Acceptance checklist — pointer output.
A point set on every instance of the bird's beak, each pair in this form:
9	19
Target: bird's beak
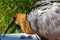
11	24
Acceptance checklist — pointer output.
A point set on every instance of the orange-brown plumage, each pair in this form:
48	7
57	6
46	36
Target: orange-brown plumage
21	20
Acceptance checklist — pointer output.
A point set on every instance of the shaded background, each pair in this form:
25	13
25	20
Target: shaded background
7	10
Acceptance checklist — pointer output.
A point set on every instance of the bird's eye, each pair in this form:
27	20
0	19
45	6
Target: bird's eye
14	18
18	26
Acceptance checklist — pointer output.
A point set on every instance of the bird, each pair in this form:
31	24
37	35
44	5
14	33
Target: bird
20	19
44	19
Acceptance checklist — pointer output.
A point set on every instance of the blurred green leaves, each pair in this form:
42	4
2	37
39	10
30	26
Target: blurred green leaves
7	10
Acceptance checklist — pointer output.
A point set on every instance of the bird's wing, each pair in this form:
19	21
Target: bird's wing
45	18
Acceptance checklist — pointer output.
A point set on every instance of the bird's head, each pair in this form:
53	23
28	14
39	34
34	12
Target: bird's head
19	18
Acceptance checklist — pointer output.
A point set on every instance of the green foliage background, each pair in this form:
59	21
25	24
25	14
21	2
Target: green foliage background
7	10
